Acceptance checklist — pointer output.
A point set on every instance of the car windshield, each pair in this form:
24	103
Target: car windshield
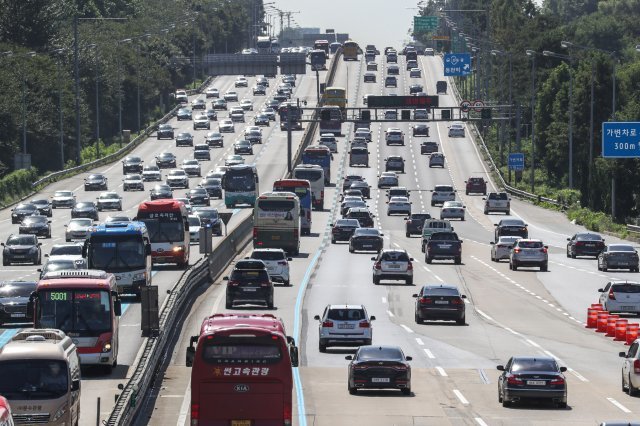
395	256
36	219
33	379
108	196
508	240
166	155
367	232
379	353
534	364
59	265
81	313
16	288
621	247
190	162
348	223
40	202
511	222
530	244
498	196
66	250
626	288
443	188
21	240
133	177
29	207
63	194
588	237
177	172
198	191
212	182
95	177
84	205
268	255
80	222
132	160
151	169
194	221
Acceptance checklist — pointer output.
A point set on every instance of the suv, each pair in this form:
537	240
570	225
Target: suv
249	283
394	163
475	185
132	165
343	229
21	249
510	227
362	214
431	226
414	223
526	252
394	136
391	81
442	193
497	202
428	147
165	131
276	261
393	264
344	325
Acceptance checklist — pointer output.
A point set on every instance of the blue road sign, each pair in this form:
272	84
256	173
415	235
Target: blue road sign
457	64
621	139
516	161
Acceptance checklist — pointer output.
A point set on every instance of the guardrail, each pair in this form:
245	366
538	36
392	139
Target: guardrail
635	229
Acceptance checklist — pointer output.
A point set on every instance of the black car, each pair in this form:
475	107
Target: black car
21	249
85	209
428	147
184	114
165	131
161	191
243	147
362	215
366	239
343	229
585	244
212	115
415	88
253	136
379	367
44	207
198	104
95	182
394	163
249	283
261	120
259	90
19	212
215	139
201	152
37	225
421	130
213	186
132	165
440	302
219	104
198	197
511	227
536	377
209	217
363	187
414	223
14	297
184	139
166	160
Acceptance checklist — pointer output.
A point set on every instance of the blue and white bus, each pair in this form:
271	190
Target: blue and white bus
302	188
123	249
240	184
321	156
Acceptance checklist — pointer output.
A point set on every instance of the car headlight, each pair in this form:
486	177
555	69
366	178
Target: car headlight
60	412
140	276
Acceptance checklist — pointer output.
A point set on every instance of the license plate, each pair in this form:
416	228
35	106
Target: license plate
18	315
536	382
589	245
240	422
367	246
623	263
250	289
275	237
441	302
345	325
393	266
380	380
628	308
19	256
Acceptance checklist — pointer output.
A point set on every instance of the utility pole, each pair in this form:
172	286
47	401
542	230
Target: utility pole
76	73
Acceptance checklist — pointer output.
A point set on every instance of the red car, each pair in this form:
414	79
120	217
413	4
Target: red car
476	185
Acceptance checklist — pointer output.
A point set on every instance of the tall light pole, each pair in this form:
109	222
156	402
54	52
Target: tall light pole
58	52
532	54
126	40
569	59
97	81
24	106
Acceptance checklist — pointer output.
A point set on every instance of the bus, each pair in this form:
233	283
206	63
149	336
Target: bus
276	221
333	47
263	44
240	184
315	175
302	188
296	116
124	249
331	120
318	60
275	46
350	50
322	45
335	96
321	156
167	222
85	304
241	371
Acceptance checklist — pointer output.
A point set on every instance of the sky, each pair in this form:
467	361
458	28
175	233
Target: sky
379	22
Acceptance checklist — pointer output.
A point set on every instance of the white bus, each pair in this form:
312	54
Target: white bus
276	221
263	44
315	175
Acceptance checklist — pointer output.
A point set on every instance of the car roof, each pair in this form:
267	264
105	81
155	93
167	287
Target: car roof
345	306
437	286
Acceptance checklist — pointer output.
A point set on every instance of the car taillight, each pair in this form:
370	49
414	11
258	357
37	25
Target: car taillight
426	300
457	301
579	243
557	381
265	284
365	324
410	267
516	250
400	367
287	415
514	380
360	367
377	265
636	366
195	414
612	296
234	283
282	263
255	232
295	233
327	323
543	249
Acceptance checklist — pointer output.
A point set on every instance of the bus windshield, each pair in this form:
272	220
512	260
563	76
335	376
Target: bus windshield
241	181
164	229
116	253
276	205
79	313
33	379
319	153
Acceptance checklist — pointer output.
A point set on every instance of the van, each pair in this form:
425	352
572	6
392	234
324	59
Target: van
434	225
359	156
40	371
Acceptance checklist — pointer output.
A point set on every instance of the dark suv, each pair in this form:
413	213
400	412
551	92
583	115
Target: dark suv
21	249
14	297
23	210
132	165
165	131
476	185
249	283
343	229
511	227
414	223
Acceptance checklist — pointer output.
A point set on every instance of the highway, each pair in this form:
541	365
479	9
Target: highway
524	312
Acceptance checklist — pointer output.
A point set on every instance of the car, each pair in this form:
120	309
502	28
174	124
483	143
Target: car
428	147
246	105
414	222
183	114
231	96
85	209
622	297
253	136
192	167
391	81
194	228
198	197
243	147
14	298
456	130
184	139
37	225
133	182
259	89
397	191
22	210
394	163
387	180
43	205
212	185
269	112
249	283
362	214
363	132
393	70
132	164
512	227
261	120
219	104
202	152
262	81
236	114
77	229
420	114
201	121
329	140
241	82
118	218
415	73
585	244
428	51
398	205
443	245
415	89
363	187
411	64
62	264
351	202
211	114
532	377
109	201
394	136
165	160
392	58
233	160
349	180
630	374
351	194
181	96
379	367
198	104
343	229
372	66
273	104
366	239
226	126
61	198
276	261
618	256
393	264
215	139
369	77
475	185
212	92
95	182
21	249
178	178
71	249
209	217
441	87
440	302
442	193
501	249
344	326
436	160
529	252
185	201
497	202
420	130
160	192
361	143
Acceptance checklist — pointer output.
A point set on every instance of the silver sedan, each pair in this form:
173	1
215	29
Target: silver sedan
452	210
502	249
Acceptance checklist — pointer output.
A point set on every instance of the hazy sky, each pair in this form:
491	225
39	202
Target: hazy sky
379	22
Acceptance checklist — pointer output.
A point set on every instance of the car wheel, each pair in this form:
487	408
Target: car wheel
333	241
604	268
573	254
417	319
428	259
408	281
353	391
462	321
5	262
505	403
458	260
408	234
562	404
406	391
228	304
351	250
633	391
544	267
270	304
322	347
376	280
622	385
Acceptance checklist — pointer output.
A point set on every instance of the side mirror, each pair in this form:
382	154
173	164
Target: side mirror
622	354
191	355
408	358
463	296
568	239
289	259
500	367
600	290
484	198
225	278
372	318
373	258
117	308
348	357
46	255
39	244
316	317
563	369
415	295
491	242
75	385
30	307
411	259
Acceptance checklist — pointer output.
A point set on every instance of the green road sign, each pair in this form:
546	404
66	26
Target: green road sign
425	23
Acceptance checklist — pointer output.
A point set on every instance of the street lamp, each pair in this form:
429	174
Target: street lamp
60	113
496	52
569	59
532	54
97	78
118	43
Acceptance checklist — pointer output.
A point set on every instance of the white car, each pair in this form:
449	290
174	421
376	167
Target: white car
186	202
329	140
621	297
420	114
212	92
269	112
400	205
194	228
63	199
415	73
276	261
178	178
456	130
241	82
442	193
77	229
226	126
65	251
246	105
109	201
363	132
192	167
151	174
231	95
181	96
201	121
502	249
452	210
394	136
133	182
344	325
387	180
233	160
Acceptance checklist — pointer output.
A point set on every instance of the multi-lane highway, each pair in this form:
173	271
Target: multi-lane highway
524	312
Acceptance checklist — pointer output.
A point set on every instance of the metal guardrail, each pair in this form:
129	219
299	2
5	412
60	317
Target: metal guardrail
635	229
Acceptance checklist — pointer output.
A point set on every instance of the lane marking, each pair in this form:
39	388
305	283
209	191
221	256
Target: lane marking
429	354
460	396
407	329
419	341
390	314
620	406
480	421
441	371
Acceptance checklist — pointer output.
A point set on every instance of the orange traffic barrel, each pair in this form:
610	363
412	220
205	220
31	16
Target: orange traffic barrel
611	325
603	319
597	306
621	329
592	317
632	333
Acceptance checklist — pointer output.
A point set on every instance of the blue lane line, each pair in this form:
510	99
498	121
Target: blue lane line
235	211
7	335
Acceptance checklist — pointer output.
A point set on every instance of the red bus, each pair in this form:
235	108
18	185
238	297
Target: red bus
84	303
302	188
167	221
241	371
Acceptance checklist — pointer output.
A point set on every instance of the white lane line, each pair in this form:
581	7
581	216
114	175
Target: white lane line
480	421
390	314
419	341
407	329
620	406
430	355
484	315
578	375
460	396
441	371
384	299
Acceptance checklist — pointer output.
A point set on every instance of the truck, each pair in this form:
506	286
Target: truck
443	246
